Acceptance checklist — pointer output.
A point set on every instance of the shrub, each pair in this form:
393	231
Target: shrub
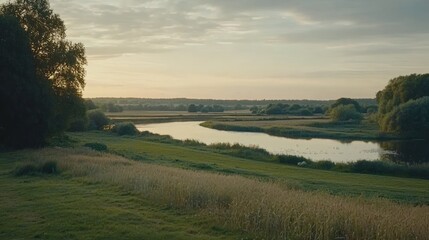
97	120
101	147
290	159
125	128
325	165
49	167
345	113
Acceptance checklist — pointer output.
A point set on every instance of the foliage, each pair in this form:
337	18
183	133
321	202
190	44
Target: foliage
25	99
97	120
55	58
110	107
347	101
403	105
125	128
101	147
192	108
90	105
411	118
345	113
48	167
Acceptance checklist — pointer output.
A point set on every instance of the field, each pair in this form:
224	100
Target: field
82	194
149	187
137	148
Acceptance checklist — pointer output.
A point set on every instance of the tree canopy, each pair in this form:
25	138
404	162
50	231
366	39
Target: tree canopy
347	101
42	72
55	59
345	113
25	99
403	105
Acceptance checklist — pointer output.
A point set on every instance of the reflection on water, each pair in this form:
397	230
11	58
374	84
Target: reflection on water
315	149
407	151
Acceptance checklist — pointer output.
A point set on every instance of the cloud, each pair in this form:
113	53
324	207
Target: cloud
133	26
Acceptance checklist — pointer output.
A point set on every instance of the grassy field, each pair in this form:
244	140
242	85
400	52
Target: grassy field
304	128
90	195
137	148
66	206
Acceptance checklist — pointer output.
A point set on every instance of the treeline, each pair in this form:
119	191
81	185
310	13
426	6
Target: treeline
295	109
228	104
205	109
270	107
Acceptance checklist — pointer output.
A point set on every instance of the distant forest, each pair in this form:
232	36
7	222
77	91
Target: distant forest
182	104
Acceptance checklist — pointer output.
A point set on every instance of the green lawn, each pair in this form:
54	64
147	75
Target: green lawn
61	207
395	188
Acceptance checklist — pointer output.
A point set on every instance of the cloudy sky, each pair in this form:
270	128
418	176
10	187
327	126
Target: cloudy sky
247	49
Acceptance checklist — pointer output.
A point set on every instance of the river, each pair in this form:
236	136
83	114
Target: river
314	149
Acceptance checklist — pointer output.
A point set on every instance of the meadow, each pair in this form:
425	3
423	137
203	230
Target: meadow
203	205
163	151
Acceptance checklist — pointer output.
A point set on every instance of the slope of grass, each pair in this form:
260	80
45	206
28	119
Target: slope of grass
56	206
398	189
265	210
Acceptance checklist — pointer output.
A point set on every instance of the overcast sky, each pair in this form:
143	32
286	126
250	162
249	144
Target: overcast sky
247	49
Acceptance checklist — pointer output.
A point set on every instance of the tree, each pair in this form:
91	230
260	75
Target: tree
25	99
97	120
192	108
402	89
345	113
410	118
55	59
404	102
347	101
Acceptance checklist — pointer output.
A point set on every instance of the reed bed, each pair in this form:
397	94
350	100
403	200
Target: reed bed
267	210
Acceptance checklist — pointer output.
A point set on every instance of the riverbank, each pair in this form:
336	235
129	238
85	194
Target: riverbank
305	128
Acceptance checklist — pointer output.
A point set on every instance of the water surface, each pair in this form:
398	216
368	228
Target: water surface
315	149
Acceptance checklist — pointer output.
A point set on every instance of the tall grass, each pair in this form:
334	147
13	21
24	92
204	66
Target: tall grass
266	210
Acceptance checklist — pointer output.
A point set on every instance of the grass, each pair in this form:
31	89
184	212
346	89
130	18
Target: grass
59	206
414	191
264	210
304	128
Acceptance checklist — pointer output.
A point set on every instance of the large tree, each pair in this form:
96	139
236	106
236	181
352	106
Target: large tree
56	59
404	105
25	99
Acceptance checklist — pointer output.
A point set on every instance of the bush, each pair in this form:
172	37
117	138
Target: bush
125	128
290	159
345	113
49	167
78	125
325	165
101	147
97	120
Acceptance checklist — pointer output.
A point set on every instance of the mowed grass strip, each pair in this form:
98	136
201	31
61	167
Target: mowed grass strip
399	189
265	210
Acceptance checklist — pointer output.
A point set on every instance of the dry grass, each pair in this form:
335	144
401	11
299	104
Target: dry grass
267	210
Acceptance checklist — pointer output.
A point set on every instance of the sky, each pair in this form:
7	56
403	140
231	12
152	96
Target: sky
247	49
